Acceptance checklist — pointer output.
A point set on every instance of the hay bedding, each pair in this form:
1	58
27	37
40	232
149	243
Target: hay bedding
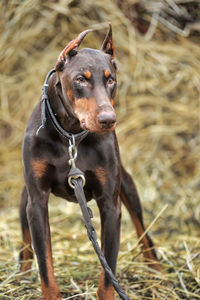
158	128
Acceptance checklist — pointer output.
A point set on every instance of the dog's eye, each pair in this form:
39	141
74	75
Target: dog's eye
110	81
80	79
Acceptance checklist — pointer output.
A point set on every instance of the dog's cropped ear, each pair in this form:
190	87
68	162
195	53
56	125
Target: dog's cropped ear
70	50
108	46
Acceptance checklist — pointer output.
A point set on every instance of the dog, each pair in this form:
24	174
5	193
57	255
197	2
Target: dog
81	94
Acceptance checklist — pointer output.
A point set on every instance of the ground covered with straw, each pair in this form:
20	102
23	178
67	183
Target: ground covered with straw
158	108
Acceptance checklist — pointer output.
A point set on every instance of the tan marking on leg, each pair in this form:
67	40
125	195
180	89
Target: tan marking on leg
50	291
147	251
101	174
27	253
39	167
87	74
107	73
112	101
105	292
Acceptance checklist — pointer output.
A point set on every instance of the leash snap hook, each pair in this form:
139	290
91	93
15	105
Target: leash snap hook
72	151
74	173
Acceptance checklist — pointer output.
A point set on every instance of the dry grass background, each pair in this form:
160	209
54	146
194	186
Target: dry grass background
158	108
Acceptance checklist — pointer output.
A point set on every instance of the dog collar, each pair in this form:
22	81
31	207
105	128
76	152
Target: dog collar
46	107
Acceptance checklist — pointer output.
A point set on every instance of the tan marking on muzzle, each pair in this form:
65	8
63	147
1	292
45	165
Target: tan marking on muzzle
85	109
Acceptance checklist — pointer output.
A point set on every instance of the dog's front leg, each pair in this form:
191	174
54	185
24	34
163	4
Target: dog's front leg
37	214
110	214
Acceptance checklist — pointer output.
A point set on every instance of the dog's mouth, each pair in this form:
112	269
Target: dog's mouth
83	124
97	127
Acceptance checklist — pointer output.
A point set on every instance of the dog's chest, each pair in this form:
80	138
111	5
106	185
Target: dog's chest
99	166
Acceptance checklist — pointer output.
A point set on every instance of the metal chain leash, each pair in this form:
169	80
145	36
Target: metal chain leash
76	180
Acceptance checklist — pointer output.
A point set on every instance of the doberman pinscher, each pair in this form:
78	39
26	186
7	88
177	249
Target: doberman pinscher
81	95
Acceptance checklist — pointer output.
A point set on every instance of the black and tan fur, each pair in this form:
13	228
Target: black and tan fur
81	93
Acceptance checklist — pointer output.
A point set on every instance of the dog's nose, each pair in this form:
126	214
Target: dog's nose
107	119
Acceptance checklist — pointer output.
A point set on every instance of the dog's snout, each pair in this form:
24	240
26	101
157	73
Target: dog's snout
107	119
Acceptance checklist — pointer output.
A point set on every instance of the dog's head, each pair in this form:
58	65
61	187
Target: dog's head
86	80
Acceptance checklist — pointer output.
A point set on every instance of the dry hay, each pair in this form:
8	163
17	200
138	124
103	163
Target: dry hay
158	115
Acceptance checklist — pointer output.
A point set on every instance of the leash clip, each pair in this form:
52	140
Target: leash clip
74	173
76	176
72	151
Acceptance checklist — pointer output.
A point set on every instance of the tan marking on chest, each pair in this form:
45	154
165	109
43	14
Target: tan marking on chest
101	174
39	167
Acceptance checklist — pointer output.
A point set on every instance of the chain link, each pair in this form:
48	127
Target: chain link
72	151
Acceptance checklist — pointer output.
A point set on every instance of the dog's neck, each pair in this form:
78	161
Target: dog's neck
62	109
